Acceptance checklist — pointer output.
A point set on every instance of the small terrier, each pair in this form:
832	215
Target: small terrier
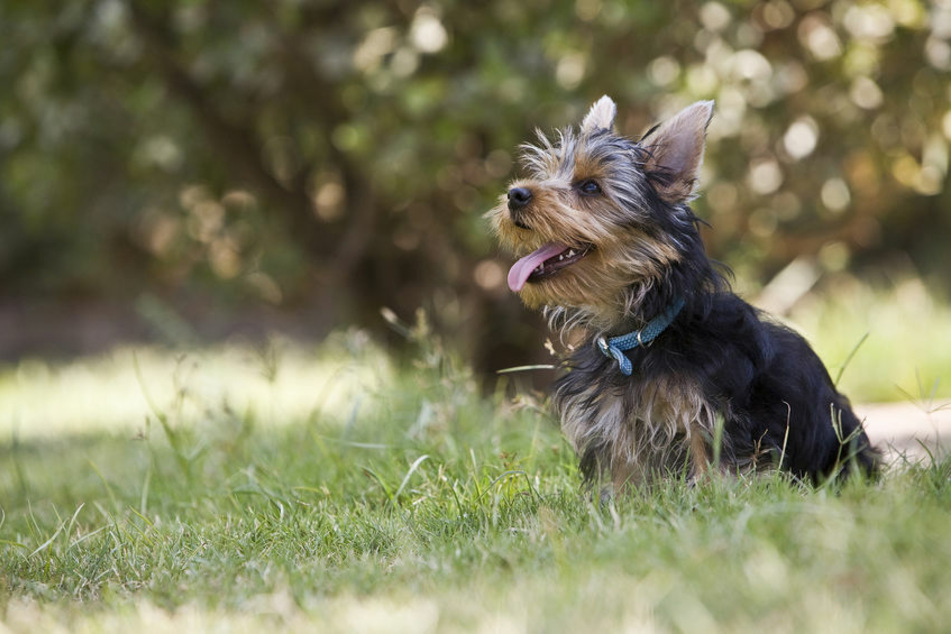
676	373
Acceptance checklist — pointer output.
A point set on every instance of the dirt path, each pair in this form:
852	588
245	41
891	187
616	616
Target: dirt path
909	429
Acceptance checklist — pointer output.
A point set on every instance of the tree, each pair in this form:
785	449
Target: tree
339	155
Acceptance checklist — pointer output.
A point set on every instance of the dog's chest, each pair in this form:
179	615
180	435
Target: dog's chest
632	416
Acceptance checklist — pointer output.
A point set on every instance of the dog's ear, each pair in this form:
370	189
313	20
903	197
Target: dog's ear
675	150
600	117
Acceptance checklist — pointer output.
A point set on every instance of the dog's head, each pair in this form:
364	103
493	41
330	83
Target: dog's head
601	217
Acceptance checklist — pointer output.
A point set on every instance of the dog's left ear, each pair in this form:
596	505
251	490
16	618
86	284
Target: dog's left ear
676	152
600	117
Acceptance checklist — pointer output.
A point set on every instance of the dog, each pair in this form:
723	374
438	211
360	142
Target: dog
675	374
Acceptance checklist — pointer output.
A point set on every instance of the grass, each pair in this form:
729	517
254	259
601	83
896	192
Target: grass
902	337
337	490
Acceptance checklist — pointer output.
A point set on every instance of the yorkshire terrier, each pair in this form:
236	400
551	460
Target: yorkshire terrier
675	374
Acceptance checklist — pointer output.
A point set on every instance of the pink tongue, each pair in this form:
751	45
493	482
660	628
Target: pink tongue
522	270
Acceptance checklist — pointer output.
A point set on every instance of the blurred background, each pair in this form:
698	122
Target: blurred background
188	171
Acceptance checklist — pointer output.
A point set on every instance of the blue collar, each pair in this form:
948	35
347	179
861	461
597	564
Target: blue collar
616	346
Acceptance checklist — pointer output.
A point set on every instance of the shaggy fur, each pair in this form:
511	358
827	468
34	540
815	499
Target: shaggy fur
607	242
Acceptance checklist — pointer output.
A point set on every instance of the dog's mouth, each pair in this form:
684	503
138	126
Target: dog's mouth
543	263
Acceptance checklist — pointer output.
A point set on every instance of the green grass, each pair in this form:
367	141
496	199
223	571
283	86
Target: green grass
889	345
335	490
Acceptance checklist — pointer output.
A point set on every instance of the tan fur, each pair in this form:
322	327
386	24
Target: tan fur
662	428
699	456
601	282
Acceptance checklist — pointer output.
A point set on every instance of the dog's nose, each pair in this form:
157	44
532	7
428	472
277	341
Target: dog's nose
519	197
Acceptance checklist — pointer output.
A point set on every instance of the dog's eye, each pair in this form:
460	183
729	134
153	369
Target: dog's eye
589	187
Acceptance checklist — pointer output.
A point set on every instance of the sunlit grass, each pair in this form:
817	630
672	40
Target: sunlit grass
903	340
331	488
276	383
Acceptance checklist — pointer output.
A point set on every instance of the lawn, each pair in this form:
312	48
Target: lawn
334	488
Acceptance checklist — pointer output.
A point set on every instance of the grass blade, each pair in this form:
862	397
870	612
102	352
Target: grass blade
409	474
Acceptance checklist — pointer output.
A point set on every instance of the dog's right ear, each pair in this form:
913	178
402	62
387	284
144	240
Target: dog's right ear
600	117
676	152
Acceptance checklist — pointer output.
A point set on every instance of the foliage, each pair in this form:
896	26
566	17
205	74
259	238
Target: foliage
340	154
432	508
